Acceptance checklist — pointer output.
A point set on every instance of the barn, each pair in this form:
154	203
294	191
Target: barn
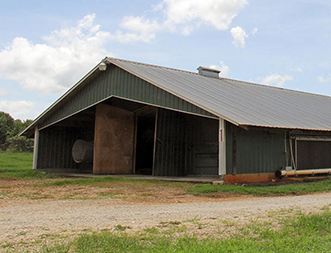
132	118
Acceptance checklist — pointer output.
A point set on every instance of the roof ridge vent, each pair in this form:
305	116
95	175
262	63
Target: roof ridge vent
209	72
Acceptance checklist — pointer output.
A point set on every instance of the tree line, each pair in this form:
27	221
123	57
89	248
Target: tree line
9	130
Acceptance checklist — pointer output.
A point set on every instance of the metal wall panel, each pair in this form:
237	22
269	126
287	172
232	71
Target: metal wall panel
56	142
202	145
185	145
55	146
119	83
254	151
170	144
313	155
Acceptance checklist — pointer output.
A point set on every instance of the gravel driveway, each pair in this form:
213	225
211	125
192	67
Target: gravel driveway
28	221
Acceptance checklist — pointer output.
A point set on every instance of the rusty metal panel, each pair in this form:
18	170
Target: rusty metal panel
113	142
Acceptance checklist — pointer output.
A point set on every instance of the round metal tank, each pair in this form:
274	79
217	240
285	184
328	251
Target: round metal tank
82	151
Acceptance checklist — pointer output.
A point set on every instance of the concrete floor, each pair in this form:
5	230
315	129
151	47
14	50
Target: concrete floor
188	179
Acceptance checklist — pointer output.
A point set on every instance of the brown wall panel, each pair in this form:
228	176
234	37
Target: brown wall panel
113	140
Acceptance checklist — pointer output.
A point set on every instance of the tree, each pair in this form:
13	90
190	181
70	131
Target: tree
9	129
20	144
6	126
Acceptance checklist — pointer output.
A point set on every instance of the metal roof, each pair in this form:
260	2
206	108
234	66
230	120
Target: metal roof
241	103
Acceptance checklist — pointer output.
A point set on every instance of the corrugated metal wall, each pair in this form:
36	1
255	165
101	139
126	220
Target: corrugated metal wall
56	142
185	145
119	83
55	146
170	144
202	145
254	150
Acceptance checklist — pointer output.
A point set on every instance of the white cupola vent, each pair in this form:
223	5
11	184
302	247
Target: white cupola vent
204	71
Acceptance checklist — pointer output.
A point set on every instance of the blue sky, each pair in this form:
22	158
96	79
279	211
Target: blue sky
47	46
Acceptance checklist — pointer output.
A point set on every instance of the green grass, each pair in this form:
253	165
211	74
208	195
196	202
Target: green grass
296	233
18	166
295	188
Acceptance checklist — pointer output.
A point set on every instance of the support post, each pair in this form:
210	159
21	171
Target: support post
35	148
222	148
234	151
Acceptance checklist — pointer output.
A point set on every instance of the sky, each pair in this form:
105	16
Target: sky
47	46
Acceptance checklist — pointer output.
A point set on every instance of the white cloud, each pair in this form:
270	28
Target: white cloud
139	24
276	79
184	16
141	29
217	13
225	70
254	31
298	70
239	36
17	109
322	79
54	66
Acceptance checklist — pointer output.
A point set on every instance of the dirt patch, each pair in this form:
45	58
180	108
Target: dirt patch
124	194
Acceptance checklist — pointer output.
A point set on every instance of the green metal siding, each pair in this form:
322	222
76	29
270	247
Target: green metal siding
170	144
55	145
254	151
203	145
229	152
185	145
119	83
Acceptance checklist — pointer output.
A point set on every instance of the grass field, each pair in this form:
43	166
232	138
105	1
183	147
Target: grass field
295	232
18	166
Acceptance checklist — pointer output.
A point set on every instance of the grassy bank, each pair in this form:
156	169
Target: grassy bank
19	166
299	233
292	188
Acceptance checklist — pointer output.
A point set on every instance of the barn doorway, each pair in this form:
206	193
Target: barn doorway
145	131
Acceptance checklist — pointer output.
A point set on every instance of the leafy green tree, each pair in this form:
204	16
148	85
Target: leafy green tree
19	126
9	129
6	126
20	144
